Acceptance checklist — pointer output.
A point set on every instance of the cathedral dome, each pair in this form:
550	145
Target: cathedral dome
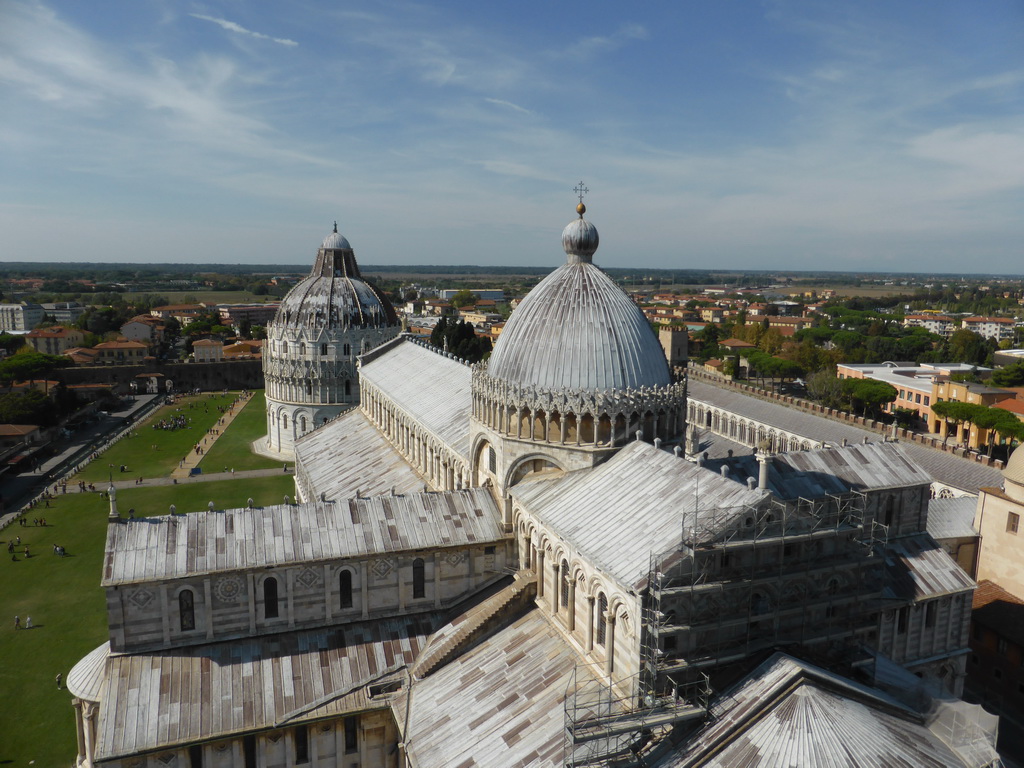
335	295
1014	469
578	330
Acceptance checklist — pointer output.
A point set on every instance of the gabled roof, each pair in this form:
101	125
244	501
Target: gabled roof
501	704
790	713
1000	611
254	684
177	546
635	504
919	569
428	385
348	456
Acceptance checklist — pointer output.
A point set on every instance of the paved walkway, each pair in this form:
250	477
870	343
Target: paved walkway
192	460
204	478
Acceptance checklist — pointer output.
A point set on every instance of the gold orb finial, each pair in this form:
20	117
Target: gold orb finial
581	209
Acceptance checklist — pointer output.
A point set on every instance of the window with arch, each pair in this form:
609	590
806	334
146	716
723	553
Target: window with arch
270	607
323	349
302	348
602	619
419	578
345	587
302	422
309	387
347	350
564	591
284	417
348	387
187	610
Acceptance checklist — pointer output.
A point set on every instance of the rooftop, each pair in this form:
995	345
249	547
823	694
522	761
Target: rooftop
176	546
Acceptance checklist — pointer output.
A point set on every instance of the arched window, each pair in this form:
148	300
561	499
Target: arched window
303	423
602	619
309	387
323	349
348	387
345	585
302	348
419	578
270	597
284	416
564	597
187	610
347	350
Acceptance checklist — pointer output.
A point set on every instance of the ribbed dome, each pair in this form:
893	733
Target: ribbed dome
578	330
336	240
334	295
1014	469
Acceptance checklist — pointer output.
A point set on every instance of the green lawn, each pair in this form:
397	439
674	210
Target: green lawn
137	452
217	297
64	599
233	447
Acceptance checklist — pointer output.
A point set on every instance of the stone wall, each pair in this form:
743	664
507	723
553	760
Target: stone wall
230	374
149	616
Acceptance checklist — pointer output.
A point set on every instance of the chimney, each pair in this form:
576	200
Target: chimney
725	471
843	442
677	450
751	483
657	442
639	435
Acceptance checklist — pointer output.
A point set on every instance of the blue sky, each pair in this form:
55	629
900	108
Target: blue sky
758	135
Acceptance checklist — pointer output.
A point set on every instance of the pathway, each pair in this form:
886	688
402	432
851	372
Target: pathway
184	468
187	480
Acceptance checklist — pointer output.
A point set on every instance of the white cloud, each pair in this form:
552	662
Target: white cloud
589	47
509	104
231	26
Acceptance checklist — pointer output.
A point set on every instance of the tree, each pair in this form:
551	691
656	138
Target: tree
1010	376
464	298
30	365
869	394
824	387
968	347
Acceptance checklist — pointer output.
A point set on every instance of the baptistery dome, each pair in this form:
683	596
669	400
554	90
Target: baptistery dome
578	330
335	295
309	358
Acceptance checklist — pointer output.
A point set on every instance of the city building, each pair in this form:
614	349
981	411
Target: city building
998	328
120	352
20	317
148	329
236	315
64	312
309	356
208	351
55	340
938	324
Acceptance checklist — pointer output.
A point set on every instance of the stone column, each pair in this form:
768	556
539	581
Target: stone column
79	731
572	605
540	573
610	637
89	726
590	623
556	587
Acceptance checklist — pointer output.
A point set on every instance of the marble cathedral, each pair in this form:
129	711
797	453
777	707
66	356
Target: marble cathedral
515	563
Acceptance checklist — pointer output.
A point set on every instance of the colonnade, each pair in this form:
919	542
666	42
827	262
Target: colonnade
444	469
747	431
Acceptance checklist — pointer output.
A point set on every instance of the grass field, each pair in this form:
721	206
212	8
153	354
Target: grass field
232	448
138	453
65	601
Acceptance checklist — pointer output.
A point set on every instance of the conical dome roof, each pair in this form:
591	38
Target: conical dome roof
335	295
578	330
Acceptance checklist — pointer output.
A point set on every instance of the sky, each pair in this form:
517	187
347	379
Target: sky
788	135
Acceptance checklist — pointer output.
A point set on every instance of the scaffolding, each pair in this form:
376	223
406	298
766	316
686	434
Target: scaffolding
804	573
613	724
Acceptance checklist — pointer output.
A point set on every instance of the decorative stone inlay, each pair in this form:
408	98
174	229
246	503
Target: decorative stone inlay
140	598
454	558
167	759
382	567
308	578
228	589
